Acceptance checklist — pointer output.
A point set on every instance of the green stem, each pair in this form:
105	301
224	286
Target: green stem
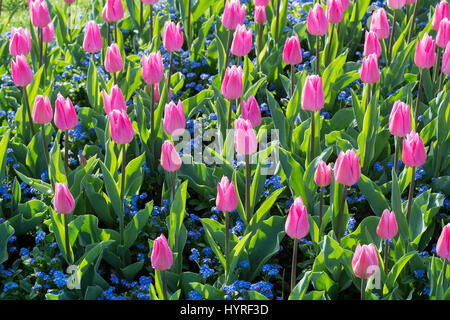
247	186
122	193
320	207
27	106
227	53
151	23
141	20
66	152
41	45
115	77
170	72
108	33
436	65
45	145
318	55
313	126
363	289
173	177
260	34
152	108
391	40
292	80
397	147
444	268
69	18
412	22
419	95
227	242
164	283
277	22
441	82
330	45
230	111
411	192
341	213
66	235
189	21
115	32
294	264
386	255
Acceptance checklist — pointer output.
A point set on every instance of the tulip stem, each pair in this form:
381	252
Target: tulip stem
397	147
115	32
68	21
170	72
66	231
391	40
329	45
164	283
45	62
294	264
247	186
141	20
115	77
292	80
122	193
41	45
411	192
189	21
227	54
151	23
341	213
173	185
27	106
108	33
313	126
320	208
441	82
277	21
318	55
227	243
152	107
419	95
436	65
260	35
45	145
444	268
412	22
363	289
66	152
386	255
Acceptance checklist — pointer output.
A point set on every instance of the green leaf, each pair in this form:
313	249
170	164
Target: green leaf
395	272
373	194
112	190
301	288
6	232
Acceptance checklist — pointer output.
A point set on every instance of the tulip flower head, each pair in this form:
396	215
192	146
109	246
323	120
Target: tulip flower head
250	111
39	13
21	71
113	59
322	176
371	44
48	33
400	119
387	227
443	244
152	68
425	55
172	36
292	52
334	11
347	169
414	154
170	159
232	83
65	115
380	24
446	60
395	4
20	42
313	98
113	10
242	42
63	200
114	101
245	141
226	200
443	35
261	2
369	72
297	224
260	14
120	127
365	261
317	23
162	258
93	41
442	11
233	14
174	118
42	110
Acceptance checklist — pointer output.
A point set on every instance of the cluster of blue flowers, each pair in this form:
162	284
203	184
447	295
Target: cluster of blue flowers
239	289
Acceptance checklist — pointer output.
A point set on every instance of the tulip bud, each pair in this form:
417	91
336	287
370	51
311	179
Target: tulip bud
413	154
387	227
39	13
233	14
48	33
260	14
400	119
380	24
21	71
174	118
395	4
365	261
226	200
261	2
152	68
425	52
322	176
170	159
232	83
442	11
443	244
446	60
250	111
20	43
42	110
120	127
317	23
371	44
245	141
242	42
113	10
172	36
65	115
162	258
369	72
334	12
115	101
345	4
313	98
443	35
113	59
292	53
297	224
93	41
63	200
347	169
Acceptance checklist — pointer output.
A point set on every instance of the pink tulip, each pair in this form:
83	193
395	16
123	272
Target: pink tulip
20	43
120	127
387	227
425	52
152	68
39	13
414	154
245	141
232	83
233	14
162	258
322	176
113	59
260	14
297	224
292	53
347	169
42	110
150	1
21	71
443	244
446	60
380	24
442	11
395	4
115	101
48	33
250	111
371	44
313	97
65	115
443	35
261	2
345	4
172	36
69	1
365	261
369	72
334	11
242	42
104	16
226	200
174	118
170	159
400	119
63	199
317	23
93	41
113	10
